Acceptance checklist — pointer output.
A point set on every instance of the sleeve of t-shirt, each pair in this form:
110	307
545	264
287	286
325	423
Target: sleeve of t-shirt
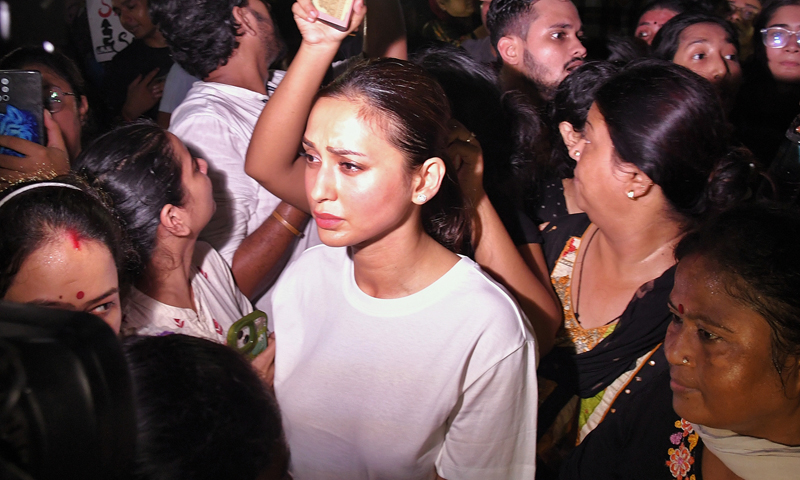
235	193
177	85
493	433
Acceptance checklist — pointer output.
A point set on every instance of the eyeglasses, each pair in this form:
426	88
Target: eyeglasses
777	37
747	13
54	99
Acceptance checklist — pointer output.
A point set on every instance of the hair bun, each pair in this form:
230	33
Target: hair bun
732	181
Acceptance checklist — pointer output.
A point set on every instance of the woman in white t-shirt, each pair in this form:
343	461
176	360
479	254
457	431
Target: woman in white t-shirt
163	197
396	358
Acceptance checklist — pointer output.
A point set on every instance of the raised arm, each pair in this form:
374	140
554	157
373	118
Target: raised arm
496	253
385	30
272	154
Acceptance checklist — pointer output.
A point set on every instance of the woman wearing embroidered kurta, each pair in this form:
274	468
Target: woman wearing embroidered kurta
163	197
652	160
734	352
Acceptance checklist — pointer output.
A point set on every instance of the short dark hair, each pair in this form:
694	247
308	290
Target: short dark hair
201	34
668	39
136	168
755	246
202	412
412	108
573	99
762	20
36	217
509	17
677	135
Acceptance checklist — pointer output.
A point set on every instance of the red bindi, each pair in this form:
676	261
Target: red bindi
79	295
680	308
75	237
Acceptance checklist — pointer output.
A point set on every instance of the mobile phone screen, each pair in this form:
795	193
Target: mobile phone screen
21	107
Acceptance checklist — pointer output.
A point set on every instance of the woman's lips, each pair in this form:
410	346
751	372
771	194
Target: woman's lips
326	221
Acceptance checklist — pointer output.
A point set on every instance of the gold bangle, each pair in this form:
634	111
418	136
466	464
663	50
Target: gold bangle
297	233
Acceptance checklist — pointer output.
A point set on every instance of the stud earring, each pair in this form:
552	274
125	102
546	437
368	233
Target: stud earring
685	360
631	194
422	198
577	153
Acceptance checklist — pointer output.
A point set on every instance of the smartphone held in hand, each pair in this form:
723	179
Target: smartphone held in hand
21	107
335	13
249	335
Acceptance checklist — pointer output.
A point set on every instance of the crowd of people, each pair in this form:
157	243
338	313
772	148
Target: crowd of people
500	256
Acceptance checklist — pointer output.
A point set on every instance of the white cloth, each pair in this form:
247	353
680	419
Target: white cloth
177	85
218	301
751	458
216	122
390	388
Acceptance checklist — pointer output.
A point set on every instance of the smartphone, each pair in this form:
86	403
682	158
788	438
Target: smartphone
335	13
21	107
249	335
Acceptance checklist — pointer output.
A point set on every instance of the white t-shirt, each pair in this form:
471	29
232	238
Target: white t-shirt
390	388
216	122
218	301
176	86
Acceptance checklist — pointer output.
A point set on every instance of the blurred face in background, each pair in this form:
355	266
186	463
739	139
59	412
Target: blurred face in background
651	22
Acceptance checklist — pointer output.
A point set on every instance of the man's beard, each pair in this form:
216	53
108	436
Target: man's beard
274	46
536	73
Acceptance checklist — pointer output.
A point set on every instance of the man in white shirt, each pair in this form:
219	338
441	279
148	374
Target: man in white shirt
230	44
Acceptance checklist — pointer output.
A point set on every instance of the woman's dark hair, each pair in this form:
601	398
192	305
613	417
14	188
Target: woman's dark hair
201	34
763	19
573	99
404	101
41	215
136	168
506	131
202	412
62	66
668	122
755	248
668	38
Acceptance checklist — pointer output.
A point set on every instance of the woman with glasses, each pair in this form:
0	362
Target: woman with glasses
770	97
66	116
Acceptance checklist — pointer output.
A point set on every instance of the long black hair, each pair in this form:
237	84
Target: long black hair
136	168
677	135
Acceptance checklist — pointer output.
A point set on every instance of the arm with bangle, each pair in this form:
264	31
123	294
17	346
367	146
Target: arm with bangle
261	256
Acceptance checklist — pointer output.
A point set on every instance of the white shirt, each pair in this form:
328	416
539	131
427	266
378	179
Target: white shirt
216	122
176	86
390	388
217	299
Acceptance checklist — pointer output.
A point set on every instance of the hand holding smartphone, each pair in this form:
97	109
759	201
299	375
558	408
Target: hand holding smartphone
335	13
249	335
21	107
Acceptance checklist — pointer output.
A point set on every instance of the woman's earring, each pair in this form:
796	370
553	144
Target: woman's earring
422	198
631	194
685	360
577	153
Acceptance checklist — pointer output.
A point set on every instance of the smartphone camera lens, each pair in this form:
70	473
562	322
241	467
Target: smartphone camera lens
4	89
4	81
5	98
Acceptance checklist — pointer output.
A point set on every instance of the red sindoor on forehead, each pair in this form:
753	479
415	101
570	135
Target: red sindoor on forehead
75	237
80	295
